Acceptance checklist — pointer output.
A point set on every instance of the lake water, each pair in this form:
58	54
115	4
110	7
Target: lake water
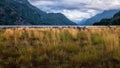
50	26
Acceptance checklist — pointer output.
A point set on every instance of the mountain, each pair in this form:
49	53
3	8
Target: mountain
112	21
9	16
21	12
98	17
82	22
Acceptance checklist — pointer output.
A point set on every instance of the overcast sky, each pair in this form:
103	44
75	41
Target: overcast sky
76	10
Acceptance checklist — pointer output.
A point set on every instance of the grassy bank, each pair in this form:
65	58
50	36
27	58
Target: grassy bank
60	48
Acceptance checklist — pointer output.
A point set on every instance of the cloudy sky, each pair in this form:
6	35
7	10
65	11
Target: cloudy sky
76	10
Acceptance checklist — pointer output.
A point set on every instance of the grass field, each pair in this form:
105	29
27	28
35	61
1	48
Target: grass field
60	47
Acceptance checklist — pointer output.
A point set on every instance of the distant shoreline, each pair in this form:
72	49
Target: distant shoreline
51	26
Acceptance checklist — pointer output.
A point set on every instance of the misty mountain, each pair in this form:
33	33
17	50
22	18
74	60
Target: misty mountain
98	17
82	22
111	21
21	12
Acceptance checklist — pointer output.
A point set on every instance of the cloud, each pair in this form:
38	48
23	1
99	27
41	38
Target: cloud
76	10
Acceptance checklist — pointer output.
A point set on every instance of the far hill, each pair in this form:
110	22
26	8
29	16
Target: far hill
98	17
111	21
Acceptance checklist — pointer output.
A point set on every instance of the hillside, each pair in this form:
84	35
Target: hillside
98	17
21	12
9	16
112	21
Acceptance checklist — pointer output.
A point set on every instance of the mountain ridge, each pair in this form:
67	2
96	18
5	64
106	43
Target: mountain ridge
115	20
30	14
100	16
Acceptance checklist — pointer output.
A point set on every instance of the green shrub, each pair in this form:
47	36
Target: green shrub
82	39
98	40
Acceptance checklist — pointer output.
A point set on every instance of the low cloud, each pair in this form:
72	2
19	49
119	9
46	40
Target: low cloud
76	10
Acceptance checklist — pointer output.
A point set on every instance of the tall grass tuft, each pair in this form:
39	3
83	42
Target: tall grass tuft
60	47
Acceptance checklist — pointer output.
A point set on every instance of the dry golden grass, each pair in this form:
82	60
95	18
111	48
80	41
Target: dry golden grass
91	47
